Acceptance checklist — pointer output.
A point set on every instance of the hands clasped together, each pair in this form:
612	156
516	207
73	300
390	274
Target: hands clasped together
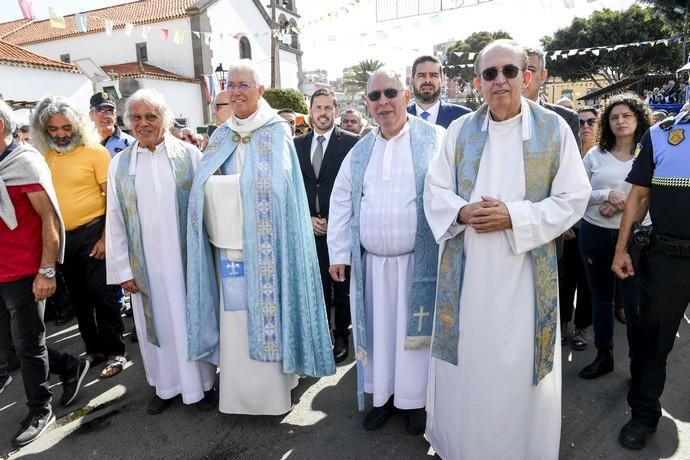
615	203
488	215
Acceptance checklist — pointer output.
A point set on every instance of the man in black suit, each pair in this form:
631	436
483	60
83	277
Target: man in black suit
537	66
320	154
427	75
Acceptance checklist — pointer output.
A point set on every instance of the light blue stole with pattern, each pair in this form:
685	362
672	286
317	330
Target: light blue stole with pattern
541	153
425	141
286	312
183	172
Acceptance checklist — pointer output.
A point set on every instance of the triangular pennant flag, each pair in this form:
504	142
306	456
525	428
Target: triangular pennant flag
81	21
557	53
108	27
27	9
572	52
196	34
595	52
57	21
458	54
178	37
569	3
164	34
129	28
145	32
470	56
381	34
207	38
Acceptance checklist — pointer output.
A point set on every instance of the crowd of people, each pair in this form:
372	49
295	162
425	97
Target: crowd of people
456	247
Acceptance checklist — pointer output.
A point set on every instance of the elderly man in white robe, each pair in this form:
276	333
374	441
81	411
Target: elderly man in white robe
377	205
146	224
508	181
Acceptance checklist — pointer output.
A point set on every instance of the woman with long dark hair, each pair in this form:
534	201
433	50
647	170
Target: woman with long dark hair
622	124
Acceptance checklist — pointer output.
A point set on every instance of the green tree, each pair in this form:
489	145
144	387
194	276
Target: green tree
472	44
286	98
607	28
672	10
361	73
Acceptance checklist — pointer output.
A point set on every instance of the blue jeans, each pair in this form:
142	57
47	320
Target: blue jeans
597	247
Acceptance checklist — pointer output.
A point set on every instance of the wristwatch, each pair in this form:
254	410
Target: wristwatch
47	272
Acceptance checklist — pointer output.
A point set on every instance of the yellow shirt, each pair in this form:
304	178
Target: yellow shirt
77	176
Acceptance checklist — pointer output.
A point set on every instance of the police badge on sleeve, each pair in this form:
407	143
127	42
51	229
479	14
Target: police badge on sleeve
676	136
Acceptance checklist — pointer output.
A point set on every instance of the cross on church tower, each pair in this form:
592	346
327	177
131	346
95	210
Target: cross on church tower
420	317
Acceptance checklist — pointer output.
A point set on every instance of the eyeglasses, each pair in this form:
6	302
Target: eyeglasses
104	111
390	93
509	71
243	87
589	122
220	104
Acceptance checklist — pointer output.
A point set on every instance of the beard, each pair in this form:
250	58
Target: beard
64	144
426	98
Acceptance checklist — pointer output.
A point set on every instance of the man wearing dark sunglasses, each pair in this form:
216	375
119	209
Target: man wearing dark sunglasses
508	181
376	205
427	77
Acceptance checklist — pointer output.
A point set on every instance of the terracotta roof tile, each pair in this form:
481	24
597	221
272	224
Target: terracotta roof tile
7	28
14	55
139	12
143	70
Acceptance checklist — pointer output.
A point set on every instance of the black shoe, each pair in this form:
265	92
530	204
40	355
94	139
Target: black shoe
158	405
603	364
72	384
133	336
341	349
378	416
5	381
209	402
634	435
416	421
33	427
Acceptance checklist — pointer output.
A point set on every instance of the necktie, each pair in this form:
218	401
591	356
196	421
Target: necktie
425	116
318	155
316	164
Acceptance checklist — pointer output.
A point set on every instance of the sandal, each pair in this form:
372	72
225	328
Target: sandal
113	367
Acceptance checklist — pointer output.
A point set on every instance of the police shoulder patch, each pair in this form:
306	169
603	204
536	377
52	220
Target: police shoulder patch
638	148
676	136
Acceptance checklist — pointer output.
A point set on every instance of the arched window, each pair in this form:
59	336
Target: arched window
293	31
245	48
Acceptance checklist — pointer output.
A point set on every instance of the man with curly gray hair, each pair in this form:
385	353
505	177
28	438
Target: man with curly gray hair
148	191
63	132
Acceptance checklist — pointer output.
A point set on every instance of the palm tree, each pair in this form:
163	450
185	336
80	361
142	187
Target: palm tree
360	74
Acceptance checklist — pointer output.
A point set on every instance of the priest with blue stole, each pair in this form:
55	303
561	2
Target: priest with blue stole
377	226
509	180
255	303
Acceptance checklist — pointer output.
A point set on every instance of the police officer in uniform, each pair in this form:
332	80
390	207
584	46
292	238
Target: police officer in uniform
104	115
661	185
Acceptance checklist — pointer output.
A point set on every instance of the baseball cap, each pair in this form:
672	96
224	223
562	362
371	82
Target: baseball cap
102	98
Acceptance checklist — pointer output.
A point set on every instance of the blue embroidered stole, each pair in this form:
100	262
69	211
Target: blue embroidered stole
541	155
424	142
183	172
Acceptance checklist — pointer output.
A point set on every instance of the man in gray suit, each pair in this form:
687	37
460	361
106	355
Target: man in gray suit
537	66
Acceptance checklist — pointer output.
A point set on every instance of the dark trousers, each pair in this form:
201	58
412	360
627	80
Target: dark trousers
597	247
572	278
337	294
21	324
664	295
96	303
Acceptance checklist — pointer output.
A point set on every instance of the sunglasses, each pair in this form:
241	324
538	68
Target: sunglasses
509	71
390	93
220	104
243	87
589	122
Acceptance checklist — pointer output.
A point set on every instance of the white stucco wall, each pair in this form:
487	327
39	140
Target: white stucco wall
230	17
120	48
29	84
288	70
184	99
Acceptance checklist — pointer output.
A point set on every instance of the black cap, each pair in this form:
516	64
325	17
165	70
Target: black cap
100	99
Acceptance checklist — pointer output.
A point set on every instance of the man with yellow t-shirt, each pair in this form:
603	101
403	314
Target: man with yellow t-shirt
79	168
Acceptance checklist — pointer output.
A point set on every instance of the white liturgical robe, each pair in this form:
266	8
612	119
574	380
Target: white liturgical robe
487	407
166	366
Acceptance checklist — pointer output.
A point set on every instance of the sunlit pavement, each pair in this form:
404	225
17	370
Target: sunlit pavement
109	420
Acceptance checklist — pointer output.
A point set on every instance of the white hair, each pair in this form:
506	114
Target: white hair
7	116
152	98
249	66
389	73
51	106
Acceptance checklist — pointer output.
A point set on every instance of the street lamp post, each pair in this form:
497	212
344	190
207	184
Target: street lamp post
221	75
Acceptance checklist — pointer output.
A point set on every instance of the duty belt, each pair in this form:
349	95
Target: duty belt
672	246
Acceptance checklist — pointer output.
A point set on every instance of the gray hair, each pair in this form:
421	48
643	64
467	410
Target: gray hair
539	55
51	106
389	73
502	43
152	98
249	66
7	116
